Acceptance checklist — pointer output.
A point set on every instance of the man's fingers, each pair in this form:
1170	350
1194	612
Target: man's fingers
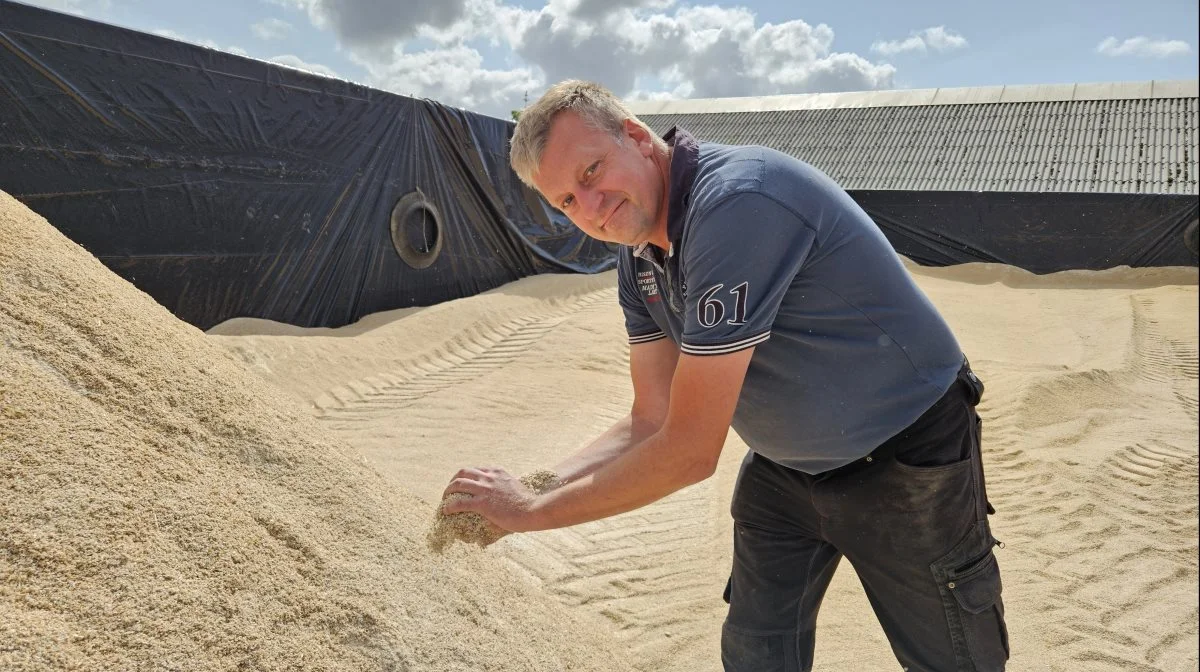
471	472
468	486
459	505
464	476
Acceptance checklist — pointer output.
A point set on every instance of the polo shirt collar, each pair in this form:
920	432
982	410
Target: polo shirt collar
684	160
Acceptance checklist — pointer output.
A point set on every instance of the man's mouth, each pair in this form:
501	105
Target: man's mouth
611	215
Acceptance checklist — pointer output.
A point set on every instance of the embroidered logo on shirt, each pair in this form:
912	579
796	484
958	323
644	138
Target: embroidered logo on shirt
648	286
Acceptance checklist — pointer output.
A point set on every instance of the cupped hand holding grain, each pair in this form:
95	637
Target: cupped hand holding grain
503	497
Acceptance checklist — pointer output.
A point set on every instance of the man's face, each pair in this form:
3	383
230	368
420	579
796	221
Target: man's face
610	189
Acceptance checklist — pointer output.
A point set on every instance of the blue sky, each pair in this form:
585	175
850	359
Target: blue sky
488	55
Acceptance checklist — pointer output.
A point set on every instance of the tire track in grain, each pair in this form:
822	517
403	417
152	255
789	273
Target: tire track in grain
483	348
647	572
1093	532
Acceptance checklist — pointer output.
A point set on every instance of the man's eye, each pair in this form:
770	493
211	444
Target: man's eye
567	202
591	169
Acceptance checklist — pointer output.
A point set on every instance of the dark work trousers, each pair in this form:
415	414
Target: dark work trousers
911	518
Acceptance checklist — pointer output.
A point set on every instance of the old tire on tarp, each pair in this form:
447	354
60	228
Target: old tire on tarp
1191	237
416	229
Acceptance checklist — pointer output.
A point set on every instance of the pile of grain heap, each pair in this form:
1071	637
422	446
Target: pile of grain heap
160	506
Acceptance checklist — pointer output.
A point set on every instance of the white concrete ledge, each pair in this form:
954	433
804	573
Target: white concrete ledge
1187	88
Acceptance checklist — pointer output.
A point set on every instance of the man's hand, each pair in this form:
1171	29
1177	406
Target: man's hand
494	494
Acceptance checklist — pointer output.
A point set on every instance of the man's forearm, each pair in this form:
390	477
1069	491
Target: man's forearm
615	473
644	473
626	432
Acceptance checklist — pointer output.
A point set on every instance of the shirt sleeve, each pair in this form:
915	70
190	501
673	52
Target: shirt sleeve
639	325
739	260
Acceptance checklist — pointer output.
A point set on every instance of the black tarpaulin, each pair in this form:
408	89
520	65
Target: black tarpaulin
1039	232
225	187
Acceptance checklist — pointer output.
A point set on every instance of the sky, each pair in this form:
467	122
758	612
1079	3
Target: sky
492	56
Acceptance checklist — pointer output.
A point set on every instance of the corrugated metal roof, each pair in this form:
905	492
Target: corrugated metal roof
1116	145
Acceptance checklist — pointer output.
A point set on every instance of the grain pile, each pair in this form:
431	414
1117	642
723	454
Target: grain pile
163	508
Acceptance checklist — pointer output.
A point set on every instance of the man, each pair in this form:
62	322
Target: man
757	293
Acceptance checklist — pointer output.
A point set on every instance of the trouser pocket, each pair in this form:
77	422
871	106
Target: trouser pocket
969	581
751	651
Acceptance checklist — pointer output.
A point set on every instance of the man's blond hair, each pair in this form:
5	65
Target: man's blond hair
595	105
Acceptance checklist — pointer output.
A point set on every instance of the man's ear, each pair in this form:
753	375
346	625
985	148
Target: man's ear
640	137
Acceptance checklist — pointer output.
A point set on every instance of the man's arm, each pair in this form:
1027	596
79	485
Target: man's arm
651	367
704	393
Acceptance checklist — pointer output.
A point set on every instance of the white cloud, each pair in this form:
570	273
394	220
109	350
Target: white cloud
936	38
488	20
377	25
295	62
1143	46
940	39
701	51
454	76
271	29
642	94
598	9
890	48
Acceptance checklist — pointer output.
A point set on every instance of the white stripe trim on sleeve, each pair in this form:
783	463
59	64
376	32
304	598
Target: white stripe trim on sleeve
646	338
725	348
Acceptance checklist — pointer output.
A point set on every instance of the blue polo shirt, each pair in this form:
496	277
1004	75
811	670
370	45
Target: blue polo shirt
767	251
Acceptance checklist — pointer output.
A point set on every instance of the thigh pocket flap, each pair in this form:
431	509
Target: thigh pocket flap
969	581
977	587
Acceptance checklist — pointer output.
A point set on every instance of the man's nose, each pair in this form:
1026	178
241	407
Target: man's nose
592	202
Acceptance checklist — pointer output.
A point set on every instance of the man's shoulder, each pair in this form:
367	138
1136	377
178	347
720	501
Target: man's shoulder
731	161
733	174
724	171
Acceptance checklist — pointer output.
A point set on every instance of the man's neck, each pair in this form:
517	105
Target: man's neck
661	239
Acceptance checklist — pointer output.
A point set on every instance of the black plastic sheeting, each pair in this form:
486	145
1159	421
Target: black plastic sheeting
1039	232
227	187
